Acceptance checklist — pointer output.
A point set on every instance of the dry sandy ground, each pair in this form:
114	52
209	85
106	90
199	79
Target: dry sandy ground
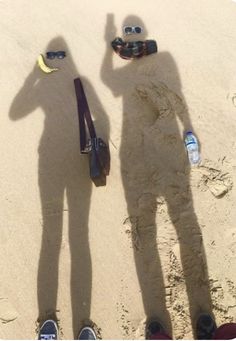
119	270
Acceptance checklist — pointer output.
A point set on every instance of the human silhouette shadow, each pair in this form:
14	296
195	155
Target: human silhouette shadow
62	170
154	166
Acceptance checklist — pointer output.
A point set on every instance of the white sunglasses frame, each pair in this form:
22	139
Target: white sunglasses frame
133	30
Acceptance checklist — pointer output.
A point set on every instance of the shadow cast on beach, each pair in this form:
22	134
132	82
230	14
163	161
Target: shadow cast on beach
61	171
154	165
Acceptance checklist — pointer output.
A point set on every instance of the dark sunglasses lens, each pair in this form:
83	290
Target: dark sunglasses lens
138	29
128	29
61	54
50	55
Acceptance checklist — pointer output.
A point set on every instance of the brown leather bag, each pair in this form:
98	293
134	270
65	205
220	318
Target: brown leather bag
95	147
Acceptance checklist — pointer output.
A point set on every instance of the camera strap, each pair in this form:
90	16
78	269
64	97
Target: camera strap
128	50
84	115
133	49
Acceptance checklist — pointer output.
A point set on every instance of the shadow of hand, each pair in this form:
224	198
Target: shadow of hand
110	30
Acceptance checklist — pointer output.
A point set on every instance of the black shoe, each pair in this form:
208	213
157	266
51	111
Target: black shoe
153	327
87	333
206	327
48	331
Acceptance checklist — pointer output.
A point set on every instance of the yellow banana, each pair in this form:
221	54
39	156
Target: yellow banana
43	66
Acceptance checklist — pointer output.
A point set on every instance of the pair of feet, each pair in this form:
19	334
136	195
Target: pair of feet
49	331
205	328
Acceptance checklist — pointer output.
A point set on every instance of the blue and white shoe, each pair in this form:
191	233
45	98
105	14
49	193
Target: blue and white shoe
48	331
87	333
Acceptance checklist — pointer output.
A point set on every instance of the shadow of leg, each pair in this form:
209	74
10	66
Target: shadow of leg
192	255
52	207
142	211
81	267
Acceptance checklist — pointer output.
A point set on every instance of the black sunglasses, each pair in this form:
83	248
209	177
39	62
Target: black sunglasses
58	54
132	29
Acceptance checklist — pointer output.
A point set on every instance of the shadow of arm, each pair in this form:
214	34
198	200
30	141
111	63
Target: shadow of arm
181	108
108	73
101	120
183	115
26	100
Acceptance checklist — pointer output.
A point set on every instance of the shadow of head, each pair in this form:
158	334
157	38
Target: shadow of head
133	20
43	89
66	65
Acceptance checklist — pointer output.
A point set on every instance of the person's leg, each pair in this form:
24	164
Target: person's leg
225	332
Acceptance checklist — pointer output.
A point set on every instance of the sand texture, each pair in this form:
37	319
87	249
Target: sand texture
160	238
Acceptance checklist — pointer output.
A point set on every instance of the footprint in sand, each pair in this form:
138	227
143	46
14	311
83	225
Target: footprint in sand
7	311
218	182
234	99
231	288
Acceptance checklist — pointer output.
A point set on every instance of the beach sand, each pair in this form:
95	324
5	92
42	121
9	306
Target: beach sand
160	238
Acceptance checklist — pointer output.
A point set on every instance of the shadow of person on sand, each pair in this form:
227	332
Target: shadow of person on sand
154	166
62	170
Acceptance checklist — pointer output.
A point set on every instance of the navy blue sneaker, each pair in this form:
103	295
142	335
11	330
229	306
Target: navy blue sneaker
206	327
87	333
48	331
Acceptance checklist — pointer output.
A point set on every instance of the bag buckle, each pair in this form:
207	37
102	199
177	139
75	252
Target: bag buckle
87	149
